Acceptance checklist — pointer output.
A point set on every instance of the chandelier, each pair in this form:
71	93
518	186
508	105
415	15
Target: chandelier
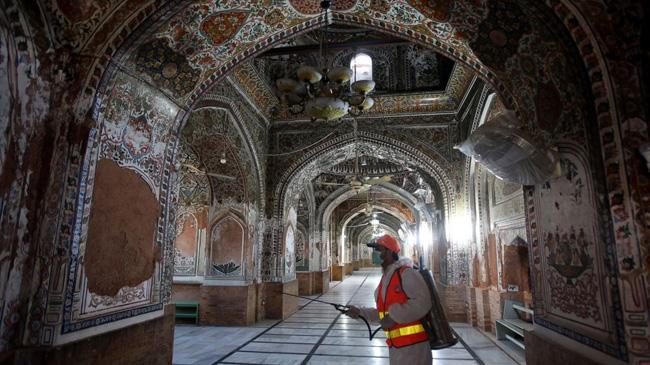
326	95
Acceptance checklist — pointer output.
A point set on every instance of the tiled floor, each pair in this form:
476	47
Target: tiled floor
318	334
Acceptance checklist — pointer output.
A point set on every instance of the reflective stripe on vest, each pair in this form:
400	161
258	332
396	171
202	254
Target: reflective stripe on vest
405	331
402	334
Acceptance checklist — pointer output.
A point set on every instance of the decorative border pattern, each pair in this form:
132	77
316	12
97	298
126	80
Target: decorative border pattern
613	155
82	216
535	258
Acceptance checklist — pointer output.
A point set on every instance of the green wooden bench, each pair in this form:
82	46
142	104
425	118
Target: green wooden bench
187	310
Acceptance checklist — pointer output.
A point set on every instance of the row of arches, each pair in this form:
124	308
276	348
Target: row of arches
552	82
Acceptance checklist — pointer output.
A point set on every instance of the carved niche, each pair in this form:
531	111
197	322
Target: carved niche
186	245
227	247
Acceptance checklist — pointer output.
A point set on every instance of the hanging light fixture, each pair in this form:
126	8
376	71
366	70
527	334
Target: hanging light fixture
326	95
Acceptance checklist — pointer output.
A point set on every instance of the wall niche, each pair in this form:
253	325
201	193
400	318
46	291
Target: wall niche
226	247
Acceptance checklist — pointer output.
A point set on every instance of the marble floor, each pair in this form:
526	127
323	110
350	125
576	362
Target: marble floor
318	334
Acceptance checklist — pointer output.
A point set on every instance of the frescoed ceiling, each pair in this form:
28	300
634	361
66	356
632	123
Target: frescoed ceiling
409	78
399	66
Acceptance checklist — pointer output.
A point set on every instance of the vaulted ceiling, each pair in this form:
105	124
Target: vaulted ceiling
409	78
419	96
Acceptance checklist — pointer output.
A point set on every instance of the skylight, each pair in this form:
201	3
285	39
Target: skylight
361	65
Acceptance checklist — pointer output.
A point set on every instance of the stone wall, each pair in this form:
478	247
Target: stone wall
220	305
306	281
313	282
470	306
337	273
483	316
453	298
276	305
321	281
227	305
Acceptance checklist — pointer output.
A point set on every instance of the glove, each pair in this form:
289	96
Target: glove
387	323
353	312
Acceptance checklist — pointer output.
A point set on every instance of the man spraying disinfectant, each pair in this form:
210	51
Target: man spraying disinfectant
402	299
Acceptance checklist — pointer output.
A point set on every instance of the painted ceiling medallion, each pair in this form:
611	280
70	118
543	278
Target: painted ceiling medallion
221	27
167	68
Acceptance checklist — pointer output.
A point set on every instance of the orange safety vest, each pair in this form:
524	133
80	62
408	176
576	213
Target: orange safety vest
402	334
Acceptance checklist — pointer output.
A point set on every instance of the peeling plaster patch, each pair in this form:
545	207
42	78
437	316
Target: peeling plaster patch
120	250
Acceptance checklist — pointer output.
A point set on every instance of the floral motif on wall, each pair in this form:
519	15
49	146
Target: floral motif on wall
126	296
220	27
194	189
166	68
137	136
503	191
289	243
572	283
75	22
571	174
183	265
227	269
256	87
186	244
131	104
569	254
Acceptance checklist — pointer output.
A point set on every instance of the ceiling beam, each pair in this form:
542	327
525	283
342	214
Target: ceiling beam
373	43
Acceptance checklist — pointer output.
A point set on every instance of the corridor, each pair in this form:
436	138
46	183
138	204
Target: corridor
318	334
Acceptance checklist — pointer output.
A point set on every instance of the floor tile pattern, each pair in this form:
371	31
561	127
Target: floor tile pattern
318	334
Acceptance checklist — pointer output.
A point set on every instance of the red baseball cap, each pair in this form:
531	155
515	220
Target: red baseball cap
387	241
